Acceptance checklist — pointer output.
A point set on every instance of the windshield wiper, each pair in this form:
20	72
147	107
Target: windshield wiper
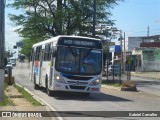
87	53
72	51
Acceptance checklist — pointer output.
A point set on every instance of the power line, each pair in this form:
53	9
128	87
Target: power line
142	31
140	2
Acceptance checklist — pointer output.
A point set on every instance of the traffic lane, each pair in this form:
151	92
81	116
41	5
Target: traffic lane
108	100
113	102
113	99
69	101
99	102
23	79
107	95
22	75
69	97
95	103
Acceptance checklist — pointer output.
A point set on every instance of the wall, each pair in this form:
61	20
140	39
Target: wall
151	59
134	42
139	57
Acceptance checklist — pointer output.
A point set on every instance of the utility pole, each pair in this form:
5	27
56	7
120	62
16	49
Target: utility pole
124	53
121	56
2	5
148	31
94	18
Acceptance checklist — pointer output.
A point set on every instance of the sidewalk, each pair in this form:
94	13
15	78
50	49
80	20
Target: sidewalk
152	75
20	105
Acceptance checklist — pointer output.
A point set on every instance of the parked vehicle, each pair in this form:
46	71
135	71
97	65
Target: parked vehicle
110	70
21	58
13	61
9	65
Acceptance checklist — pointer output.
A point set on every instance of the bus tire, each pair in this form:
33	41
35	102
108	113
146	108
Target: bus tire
49	92
36	87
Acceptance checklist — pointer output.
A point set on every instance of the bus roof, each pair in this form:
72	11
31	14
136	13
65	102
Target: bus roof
55	39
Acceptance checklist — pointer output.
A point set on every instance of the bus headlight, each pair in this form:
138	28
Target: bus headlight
95	82
59	79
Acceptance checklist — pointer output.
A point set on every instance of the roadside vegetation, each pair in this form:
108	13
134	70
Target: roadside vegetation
27	96
111	83
6	101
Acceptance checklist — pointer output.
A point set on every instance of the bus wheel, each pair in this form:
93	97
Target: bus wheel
36	87
49	92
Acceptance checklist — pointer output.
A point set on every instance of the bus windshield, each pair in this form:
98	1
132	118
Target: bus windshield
78	60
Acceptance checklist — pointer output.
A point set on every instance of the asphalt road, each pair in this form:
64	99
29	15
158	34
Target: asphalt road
108	100
148	85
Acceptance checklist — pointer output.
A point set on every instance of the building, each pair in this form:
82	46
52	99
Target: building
147	59
150	44
135	42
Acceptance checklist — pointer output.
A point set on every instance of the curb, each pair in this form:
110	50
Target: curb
57	116
133	89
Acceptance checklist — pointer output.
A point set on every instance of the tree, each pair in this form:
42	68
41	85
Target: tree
42	19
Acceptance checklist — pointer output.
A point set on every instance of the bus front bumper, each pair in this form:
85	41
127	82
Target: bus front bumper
76	88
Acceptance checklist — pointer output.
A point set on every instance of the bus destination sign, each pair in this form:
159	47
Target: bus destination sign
80	42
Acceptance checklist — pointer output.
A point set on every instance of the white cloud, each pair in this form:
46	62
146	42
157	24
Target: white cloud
11	37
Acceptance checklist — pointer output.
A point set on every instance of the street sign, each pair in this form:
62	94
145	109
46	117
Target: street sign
115	48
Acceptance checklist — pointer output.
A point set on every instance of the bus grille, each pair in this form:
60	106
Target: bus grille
75	82
71	77
77	87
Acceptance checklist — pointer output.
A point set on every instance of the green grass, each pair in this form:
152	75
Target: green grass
111	83
114	84
27	96
6	102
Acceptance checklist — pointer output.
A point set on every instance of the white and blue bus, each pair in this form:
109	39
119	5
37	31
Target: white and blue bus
67	63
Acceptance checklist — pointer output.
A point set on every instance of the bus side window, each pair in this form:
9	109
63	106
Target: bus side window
32	54
47	55
38	52
50	51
